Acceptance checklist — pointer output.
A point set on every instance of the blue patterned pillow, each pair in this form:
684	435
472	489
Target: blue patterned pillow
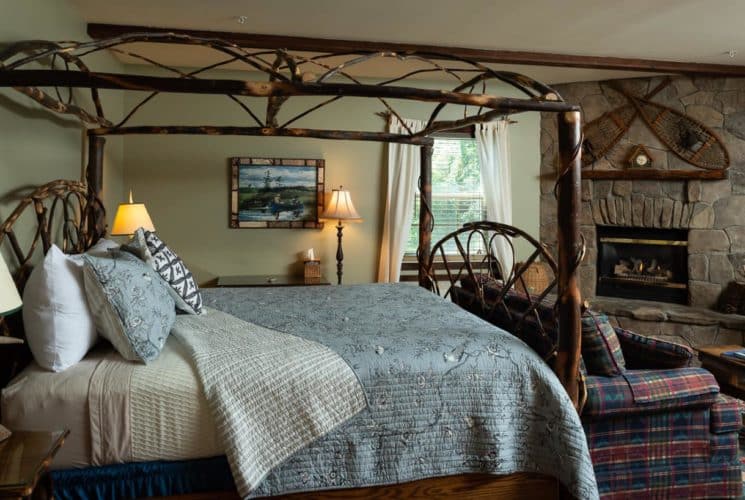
601	349
131	305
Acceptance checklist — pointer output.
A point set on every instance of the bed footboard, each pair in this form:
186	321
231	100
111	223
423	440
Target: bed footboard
478	268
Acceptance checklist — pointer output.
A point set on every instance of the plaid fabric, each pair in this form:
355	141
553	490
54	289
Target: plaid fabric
661	437
680	453
724	447
639	391
642	352
601	349
726	415
695	480
650	386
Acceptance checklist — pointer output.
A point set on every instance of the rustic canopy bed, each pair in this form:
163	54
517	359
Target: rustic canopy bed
71	212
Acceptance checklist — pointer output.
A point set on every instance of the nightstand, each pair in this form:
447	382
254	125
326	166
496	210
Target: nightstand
729	372
13	355
24	458
269	280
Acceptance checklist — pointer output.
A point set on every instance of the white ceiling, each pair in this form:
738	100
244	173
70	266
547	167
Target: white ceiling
678	30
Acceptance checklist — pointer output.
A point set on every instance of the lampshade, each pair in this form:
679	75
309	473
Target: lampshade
9	299
341	207
130	217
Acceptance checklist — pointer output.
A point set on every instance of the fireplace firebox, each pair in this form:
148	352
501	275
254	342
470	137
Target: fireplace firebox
643	263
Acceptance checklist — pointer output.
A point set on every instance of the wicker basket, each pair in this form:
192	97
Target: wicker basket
312	269
535	278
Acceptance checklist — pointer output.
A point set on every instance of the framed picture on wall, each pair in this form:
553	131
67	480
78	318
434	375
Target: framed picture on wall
284	193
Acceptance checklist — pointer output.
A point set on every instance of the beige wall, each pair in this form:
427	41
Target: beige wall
184	182
37	146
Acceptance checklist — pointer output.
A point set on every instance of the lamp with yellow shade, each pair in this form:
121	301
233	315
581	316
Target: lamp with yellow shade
130	217
341	208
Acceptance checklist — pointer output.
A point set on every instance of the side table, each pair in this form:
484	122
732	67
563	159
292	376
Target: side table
269	280
24	458
729	372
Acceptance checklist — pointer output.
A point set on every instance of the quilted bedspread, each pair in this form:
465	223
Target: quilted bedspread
270	393
447	393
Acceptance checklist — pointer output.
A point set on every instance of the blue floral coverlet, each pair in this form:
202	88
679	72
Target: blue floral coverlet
447	392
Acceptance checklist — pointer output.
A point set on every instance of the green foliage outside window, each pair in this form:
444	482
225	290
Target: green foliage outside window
456	191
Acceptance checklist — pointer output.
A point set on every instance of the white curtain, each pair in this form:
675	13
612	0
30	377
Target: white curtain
403	182
493	142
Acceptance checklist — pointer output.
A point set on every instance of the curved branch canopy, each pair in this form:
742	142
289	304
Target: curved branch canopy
288	75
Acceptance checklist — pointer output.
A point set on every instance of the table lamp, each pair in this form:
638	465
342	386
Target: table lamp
10	301
340	208
130	217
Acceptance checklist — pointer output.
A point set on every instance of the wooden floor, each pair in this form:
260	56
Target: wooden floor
462	487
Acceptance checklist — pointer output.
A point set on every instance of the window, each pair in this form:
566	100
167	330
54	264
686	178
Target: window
456	192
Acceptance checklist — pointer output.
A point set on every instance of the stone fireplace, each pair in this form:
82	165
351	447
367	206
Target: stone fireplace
705	210
709	215
642	263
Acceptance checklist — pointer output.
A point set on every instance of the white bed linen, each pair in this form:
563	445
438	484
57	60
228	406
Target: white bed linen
157	430
40	400
163	416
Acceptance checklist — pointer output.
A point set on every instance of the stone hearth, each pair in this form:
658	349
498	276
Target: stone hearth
691	326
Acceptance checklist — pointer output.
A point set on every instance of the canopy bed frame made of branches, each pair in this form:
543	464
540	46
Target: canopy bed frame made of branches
292	75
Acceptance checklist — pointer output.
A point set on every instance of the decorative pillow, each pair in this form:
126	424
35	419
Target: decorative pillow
151	249
56	317
643	353
131	305
601	349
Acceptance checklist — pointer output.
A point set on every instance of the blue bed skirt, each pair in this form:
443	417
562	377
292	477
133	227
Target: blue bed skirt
143	479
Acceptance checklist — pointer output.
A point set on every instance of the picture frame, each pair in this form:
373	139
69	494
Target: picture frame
276	193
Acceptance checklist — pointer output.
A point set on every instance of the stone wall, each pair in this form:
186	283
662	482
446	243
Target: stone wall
713	211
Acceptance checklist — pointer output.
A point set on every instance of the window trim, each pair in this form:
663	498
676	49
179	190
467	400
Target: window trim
467	132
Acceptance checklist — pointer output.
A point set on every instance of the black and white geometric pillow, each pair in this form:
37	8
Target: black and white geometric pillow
173	270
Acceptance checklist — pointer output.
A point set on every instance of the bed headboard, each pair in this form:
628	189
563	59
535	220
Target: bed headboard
61	212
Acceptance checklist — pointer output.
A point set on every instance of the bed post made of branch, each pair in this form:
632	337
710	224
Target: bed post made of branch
94	179
425	211
570	252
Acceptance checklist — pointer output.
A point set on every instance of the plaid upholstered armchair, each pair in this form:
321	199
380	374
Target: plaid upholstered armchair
656	427
660	428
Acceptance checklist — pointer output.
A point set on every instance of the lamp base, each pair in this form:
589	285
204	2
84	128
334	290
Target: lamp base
339	253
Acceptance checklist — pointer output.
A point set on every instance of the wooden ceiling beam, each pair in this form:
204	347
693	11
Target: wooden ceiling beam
258	41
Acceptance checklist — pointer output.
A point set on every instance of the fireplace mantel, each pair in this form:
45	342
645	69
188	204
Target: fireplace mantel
638	174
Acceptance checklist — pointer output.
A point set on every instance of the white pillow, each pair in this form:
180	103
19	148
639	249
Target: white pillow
56	317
